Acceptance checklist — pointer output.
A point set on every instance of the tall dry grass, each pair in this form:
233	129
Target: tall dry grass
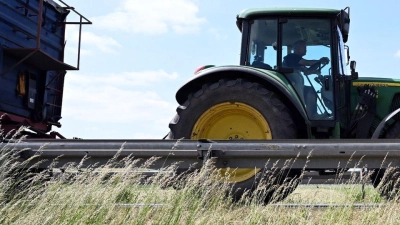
100	196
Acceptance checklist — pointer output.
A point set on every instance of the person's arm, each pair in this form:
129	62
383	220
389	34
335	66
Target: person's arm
306	62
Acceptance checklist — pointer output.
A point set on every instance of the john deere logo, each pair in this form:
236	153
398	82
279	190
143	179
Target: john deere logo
376	84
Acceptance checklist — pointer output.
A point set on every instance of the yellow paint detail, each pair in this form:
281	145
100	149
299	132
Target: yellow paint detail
232	120
21	83
376	84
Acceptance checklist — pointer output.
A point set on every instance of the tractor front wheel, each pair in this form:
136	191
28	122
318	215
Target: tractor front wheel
239	109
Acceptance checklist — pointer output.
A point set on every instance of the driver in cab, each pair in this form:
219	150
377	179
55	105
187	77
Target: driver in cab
296	61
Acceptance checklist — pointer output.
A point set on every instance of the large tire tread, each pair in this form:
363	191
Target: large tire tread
265	101
285	128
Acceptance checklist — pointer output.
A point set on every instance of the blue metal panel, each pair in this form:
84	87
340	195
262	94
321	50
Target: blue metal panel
1	57
8	93
19	28
39	97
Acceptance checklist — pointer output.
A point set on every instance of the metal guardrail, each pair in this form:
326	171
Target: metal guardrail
310	154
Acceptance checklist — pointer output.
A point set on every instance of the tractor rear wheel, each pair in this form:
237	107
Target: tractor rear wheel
239	109
387	181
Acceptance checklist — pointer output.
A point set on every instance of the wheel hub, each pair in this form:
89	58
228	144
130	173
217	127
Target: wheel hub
232	121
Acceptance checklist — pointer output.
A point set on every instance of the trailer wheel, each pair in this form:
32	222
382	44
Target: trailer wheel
238	109
387	181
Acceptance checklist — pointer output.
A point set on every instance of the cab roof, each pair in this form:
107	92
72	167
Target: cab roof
257	12
248	14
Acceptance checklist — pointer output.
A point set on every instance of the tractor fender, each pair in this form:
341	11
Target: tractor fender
379	128
249	73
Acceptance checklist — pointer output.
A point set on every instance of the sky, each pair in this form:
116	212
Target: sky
137	54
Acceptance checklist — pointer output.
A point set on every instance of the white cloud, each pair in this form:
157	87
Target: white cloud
72	50
98	98
103	112
105	103
101	42
153	17
126	79
397	54
217	34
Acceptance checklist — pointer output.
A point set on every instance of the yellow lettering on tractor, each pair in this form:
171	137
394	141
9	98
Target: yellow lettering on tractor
376	84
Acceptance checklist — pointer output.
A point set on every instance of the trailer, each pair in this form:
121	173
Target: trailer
32	68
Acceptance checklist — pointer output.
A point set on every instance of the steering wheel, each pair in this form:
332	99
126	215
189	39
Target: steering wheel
315	68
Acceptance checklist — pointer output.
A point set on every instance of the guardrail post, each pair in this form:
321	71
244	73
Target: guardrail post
205	152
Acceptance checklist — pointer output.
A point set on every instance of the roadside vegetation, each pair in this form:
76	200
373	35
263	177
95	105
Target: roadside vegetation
93	196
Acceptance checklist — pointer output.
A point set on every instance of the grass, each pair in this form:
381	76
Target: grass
334	194
103	204
98	197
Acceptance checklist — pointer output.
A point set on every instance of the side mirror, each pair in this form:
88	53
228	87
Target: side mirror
353	65
354	74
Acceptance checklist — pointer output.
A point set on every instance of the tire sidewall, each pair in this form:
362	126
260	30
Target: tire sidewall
255	95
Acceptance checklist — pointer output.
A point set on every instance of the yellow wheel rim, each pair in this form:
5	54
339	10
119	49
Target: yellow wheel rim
232	121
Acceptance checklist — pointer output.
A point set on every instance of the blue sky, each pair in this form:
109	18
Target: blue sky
138	53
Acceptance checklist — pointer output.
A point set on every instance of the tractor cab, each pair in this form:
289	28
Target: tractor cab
306	46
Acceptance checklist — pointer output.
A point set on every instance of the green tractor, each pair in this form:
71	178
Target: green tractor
292	83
